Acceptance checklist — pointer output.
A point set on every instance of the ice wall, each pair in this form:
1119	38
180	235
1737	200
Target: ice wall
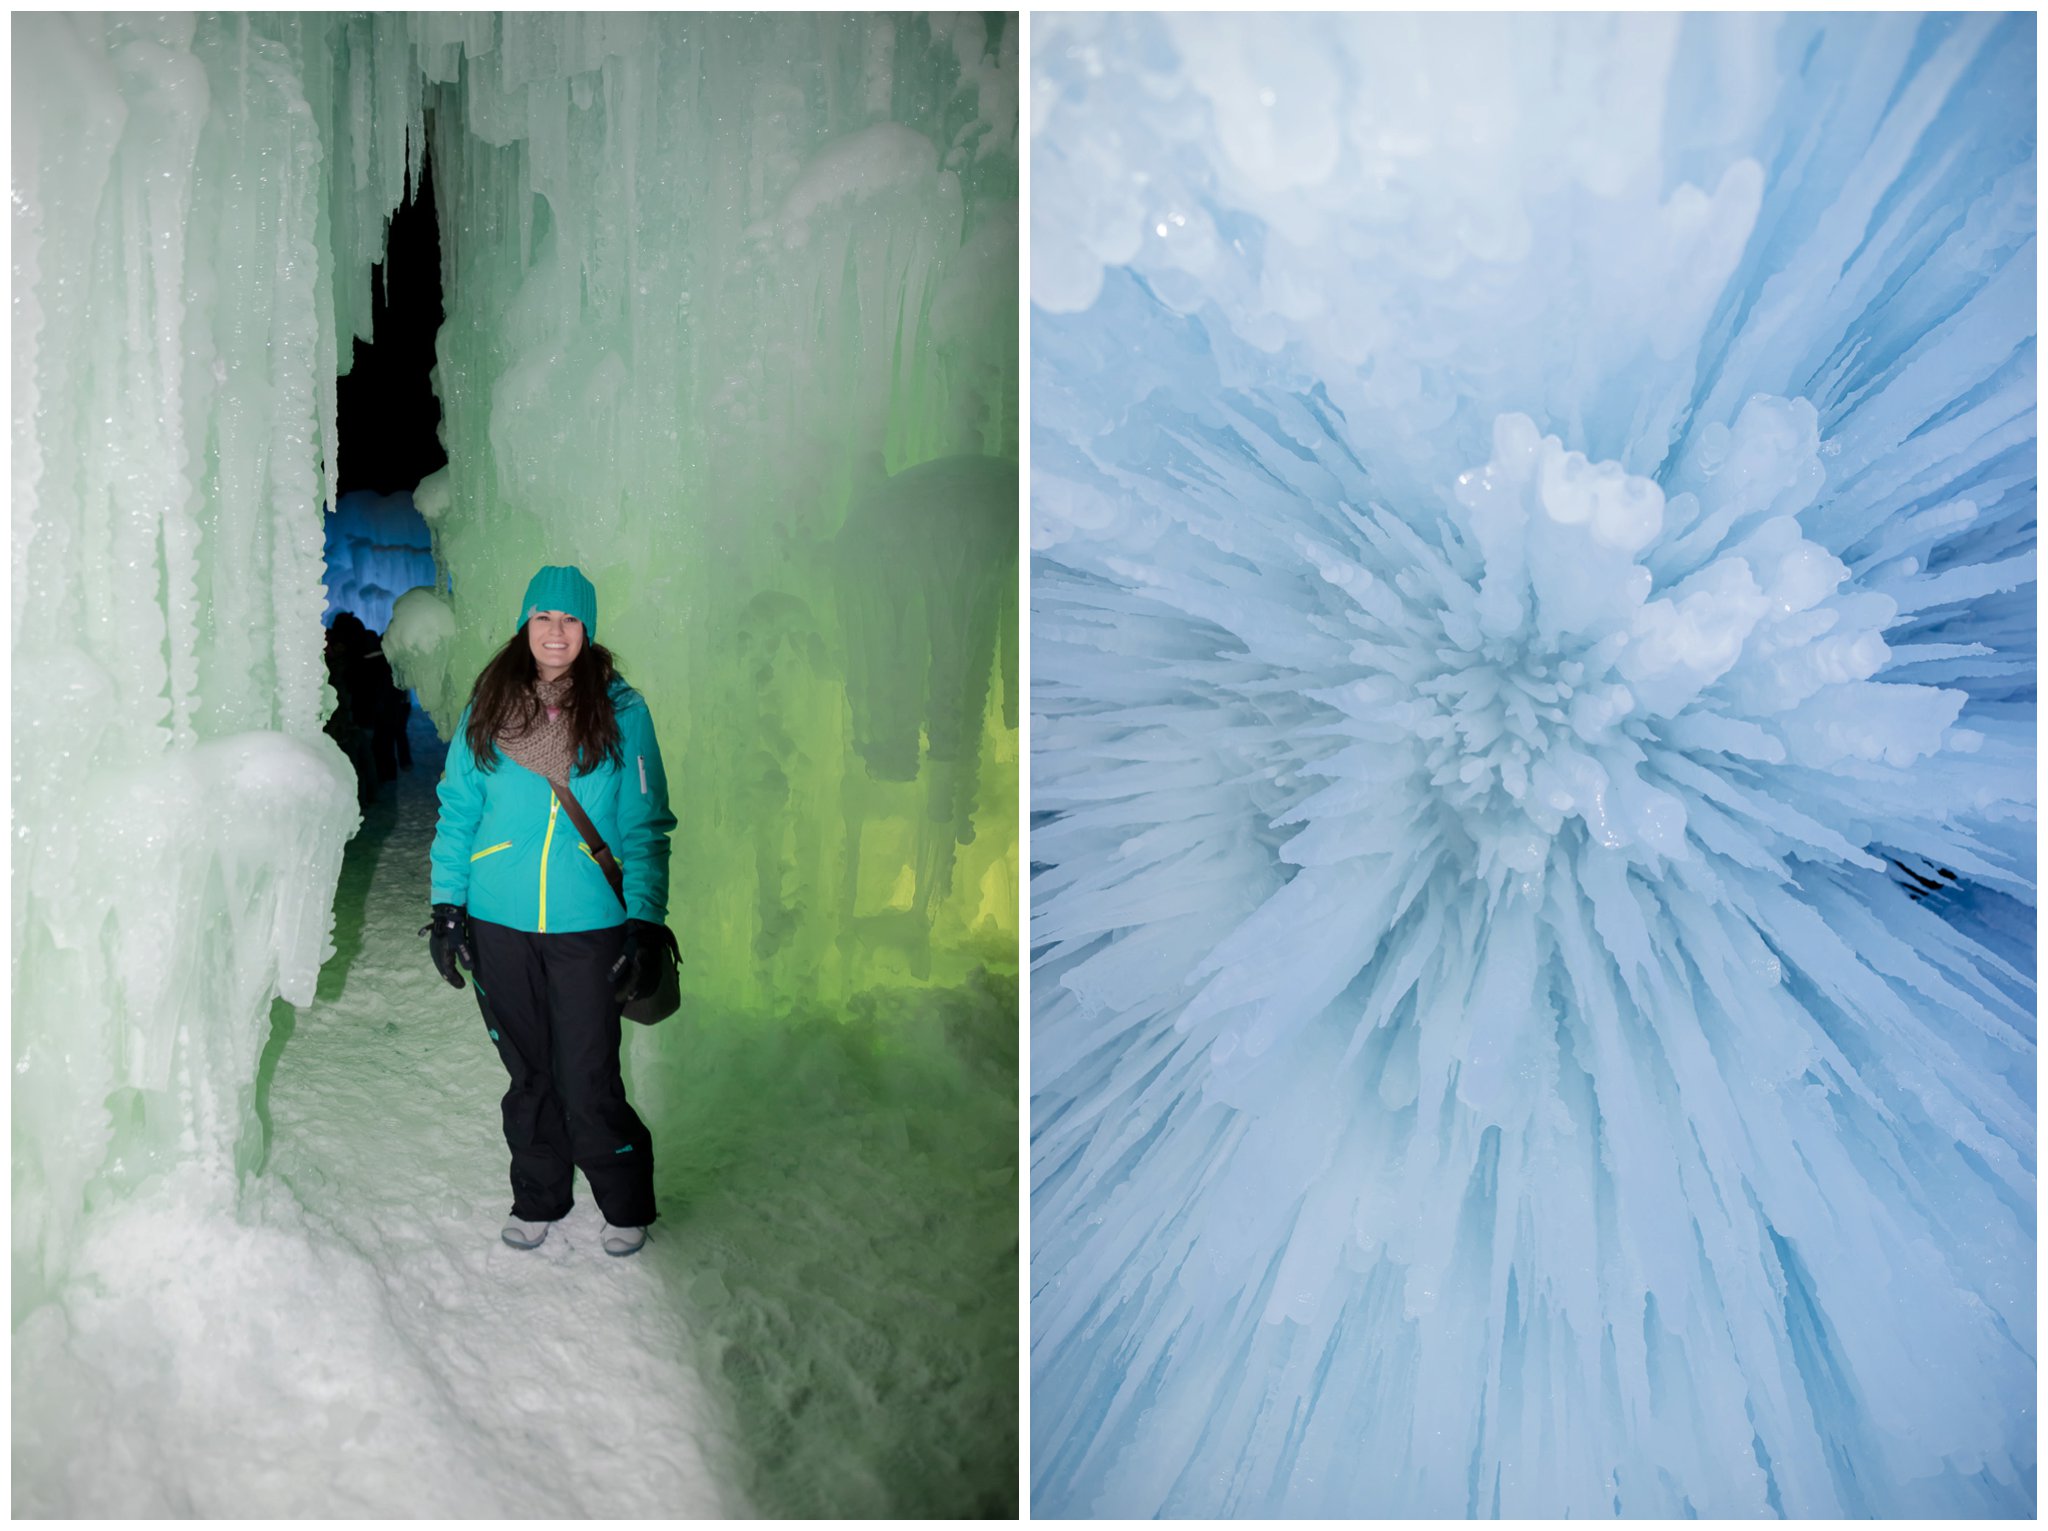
377	548
706	277
178	816
1533	766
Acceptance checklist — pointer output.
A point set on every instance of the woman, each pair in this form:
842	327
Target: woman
520	901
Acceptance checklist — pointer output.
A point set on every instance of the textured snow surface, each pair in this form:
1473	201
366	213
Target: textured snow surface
823	1321
1533	766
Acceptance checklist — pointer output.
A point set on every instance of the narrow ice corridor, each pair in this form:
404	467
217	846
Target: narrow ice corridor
793	1340
366	1346
723	304
382	1106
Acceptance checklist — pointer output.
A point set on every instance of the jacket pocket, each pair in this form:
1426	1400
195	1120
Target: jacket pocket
492	850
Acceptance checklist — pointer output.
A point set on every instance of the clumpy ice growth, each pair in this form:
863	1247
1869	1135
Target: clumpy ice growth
417	642
1533	766
1529	672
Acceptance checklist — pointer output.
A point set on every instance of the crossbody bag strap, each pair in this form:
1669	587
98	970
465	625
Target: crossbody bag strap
599	851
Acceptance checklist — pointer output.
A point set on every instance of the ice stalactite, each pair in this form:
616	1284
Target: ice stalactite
1533	766
927	587
179	818
419	640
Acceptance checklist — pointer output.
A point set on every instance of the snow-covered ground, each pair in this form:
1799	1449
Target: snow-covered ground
823	1322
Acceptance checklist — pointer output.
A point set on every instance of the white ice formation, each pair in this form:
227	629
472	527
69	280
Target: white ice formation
178	816
419	640
1533	766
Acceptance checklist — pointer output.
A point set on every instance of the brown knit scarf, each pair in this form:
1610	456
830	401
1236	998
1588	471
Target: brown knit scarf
546	748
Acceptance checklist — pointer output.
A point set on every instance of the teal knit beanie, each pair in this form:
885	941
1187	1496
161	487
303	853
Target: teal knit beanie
562	587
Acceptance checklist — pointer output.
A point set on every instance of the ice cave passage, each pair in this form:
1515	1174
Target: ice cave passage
730	323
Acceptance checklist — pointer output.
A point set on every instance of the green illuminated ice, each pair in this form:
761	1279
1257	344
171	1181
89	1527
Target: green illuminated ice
178	816
709	281
732	324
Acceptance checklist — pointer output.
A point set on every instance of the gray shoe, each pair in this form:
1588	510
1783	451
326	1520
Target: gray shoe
623	1241
521	1234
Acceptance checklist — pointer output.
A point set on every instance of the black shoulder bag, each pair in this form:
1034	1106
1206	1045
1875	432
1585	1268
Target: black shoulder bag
667	997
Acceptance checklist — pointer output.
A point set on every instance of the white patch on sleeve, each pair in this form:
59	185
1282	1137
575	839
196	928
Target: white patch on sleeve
643	773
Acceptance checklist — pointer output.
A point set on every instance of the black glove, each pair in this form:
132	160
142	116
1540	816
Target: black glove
449	942
637	973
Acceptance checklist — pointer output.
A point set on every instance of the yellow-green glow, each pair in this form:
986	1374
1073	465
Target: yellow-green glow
688	379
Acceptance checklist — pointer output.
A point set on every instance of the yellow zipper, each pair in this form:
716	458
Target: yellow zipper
492	850
586	851
553	809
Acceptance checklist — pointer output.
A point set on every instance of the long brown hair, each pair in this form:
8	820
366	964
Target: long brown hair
503	701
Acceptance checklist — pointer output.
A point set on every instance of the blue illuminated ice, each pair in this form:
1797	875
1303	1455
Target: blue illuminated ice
1533	766
378	548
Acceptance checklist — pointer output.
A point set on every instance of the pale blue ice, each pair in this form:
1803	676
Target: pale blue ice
1533	770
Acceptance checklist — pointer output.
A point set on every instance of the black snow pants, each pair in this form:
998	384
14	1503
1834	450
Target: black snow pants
547	1000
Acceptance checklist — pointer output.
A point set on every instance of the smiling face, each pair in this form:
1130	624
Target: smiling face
556	639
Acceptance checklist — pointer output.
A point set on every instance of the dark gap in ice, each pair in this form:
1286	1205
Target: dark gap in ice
386	414
1763	1460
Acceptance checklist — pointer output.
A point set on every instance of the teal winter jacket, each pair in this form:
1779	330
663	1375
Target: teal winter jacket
505	848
